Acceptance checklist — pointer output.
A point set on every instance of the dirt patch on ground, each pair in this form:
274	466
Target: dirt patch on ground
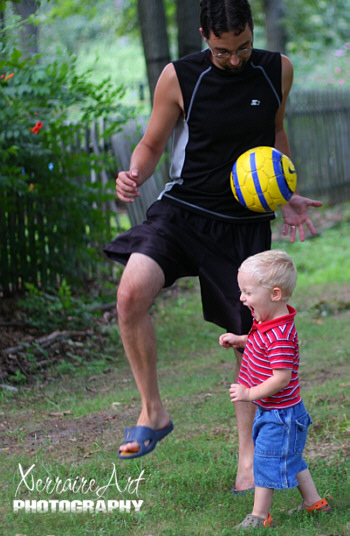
62	435
29	429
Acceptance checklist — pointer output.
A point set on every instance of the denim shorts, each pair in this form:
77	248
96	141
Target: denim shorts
279	439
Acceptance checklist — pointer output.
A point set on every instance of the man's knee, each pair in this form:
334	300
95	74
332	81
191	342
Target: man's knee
128	300
141	282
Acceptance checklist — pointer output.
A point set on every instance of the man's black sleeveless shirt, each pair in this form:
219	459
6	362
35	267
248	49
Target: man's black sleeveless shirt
225	114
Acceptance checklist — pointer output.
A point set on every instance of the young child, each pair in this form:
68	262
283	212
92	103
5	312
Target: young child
269	378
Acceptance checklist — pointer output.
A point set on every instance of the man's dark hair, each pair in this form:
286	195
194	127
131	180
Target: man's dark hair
221	16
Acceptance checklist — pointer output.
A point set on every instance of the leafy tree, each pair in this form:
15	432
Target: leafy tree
154	37
187	20
154	31
297	27
51	213
307	26
317	25
29	31
276	33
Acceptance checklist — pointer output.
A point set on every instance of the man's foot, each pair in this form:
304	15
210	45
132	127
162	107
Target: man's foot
253	522
146	438
241	491
158	424
243	483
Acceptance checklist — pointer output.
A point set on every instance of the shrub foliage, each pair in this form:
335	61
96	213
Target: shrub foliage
53	204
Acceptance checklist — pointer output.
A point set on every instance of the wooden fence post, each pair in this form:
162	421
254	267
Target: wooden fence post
123	143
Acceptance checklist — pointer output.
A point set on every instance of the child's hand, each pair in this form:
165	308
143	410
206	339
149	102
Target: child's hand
239	393
230	340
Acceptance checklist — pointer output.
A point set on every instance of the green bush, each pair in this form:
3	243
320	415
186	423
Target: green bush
54	310
53	217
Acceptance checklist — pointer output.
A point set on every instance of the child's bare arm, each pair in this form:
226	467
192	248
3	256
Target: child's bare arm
279	380
230	340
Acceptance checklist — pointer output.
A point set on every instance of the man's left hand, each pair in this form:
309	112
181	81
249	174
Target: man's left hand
295	215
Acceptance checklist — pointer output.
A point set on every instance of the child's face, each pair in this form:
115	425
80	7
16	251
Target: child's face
260	300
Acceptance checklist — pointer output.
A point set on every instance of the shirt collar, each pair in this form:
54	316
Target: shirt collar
270	324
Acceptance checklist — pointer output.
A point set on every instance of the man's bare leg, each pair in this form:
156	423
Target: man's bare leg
141	282
245	413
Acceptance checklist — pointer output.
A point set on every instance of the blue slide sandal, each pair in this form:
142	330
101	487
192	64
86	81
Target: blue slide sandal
143	435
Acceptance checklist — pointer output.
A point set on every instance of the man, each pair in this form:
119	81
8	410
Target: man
218	103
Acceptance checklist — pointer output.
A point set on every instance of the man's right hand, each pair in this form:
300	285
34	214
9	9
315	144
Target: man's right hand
126	186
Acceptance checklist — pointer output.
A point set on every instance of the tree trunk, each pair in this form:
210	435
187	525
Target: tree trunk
187	18
274	24
29	32
154	38
2	28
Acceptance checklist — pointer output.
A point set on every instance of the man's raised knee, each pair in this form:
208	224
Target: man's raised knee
128	302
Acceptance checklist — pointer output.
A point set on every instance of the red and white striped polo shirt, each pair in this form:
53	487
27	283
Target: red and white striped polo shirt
272	345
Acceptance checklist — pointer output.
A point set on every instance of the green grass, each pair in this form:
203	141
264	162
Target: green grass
187	480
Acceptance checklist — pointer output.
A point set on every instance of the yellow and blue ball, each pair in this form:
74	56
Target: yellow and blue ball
263	179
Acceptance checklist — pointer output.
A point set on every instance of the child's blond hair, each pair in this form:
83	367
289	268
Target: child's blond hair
273	268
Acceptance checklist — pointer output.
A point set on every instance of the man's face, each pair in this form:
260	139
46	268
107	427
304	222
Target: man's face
237	48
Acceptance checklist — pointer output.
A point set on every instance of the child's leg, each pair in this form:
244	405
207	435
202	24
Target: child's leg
262	501
260	516
307	488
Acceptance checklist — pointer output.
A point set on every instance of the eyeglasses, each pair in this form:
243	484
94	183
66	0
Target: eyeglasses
225	55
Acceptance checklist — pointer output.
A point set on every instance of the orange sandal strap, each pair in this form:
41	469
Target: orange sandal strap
319	505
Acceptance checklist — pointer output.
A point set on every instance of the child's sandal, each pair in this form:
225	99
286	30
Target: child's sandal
253	522
319	506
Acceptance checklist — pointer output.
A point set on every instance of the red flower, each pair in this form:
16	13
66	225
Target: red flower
38	126
5	78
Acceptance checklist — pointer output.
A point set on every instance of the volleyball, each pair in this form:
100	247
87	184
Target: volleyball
263	179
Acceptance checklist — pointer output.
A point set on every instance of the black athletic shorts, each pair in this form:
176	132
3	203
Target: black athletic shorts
184	243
